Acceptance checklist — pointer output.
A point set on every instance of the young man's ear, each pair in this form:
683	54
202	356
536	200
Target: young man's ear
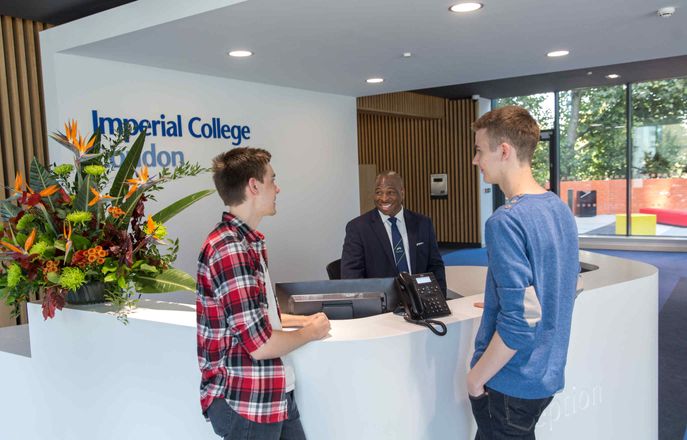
506	150
252	185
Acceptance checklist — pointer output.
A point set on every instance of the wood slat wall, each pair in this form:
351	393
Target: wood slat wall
22	112
417	142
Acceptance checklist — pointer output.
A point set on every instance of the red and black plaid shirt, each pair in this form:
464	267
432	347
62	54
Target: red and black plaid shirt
231	309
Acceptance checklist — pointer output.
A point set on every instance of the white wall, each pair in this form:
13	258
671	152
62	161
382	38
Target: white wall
312	137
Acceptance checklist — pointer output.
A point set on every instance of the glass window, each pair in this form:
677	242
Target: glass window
593	158
659	158
540	106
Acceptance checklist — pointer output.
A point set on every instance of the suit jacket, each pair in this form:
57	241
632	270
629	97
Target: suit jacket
367	249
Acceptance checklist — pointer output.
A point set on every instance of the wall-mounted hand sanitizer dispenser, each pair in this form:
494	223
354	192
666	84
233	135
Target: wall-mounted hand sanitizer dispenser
438	186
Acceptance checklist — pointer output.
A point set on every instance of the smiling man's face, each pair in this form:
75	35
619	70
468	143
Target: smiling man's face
389	194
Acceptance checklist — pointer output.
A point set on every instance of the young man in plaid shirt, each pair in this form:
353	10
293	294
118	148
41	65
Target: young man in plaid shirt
247	380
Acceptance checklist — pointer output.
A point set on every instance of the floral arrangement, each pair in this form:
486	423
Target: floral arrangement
63	232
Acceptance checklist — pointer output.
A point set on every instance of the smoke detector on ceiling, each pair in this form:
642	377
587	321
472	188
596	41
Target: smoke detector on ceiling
668	11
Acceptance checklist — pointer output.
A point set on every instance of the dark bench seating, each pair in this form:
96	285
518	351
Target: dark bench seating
674	217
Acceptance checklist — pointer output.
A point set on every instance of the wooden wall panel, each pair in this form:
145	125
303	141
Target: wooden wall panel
404	104
419	141
22	114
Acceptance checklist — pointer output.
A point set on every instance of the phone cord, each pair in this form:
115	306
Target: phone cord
430	324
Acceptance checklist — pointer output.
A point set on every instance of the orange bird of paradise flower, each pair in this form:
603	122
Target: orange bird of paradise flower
142	179
151	228
98	197
27	244
18	182
70	130
67	232
33	198
73	140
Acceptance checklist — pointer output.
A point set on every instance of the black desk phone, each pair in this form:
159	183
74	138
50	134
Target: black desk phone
422	298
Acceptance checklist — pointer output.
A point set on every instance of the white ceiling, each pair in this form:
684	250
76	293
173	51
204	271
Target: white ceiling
333	46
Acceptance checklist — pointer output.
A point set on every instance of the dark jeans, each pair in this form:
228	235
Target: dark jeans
501	417
230	426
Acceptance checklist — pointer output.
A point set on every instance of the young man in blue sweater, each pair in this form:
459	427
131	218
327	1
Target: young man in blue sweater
532	249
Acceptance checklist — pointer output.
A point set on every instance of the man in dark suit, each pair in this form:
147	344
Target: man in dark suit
390	239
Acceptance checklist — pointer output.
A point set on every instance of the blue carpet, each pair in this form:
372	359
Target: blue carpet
671	267
672	324
466	257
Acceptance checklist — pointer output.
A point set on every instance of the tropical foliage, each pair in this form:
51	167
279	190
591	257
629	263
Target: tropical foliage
593	130
64	228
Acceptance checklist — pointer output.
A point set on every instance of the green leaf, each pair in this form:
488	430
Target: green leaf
171	280
60	244
80	242
121	282
40	177
128	207
148	268
84	194
8	210
170	211
126	171
53	277
110	278
48	219
108	268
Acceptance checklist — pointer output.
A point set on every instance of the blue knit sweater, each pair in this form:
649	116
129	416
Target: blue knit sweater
532	249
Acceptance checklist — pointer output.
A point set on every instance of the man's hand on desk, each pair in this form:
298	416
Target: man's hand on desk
317	326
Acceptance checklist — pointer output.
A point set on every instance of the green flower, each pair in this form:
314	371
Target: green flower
94	170
72	278
79	217
38	248
13	275
25	222
160	231
63	170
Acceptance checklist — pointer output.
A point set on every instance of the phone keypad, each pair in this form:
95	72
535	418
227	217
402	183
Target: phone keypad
434	302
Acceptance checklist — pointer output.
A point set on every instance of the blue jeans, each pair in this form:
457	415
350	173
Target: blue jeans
230	426
501	417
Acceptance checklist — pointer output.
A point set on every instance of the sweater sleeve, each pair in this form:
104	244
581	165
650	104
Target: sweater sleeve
519	309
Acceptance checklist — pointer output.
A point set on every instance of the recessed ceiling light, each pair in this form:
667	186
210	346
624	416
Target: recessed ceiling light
668	11
407	54
466	7
240	53
557	53
375	80
612	76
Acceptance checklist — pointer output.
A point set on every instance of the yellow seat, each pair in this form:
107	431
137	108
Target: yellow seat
642	224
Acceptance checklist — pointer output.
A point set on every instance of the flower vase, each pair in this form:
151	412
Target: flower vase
90	293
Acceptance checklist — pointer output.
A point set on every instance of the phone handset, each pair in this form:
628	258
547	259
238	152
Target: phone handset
409	296
422	298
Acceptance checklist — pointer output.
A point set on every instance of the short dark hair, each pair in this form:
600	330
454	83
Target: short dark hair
514	125
233	169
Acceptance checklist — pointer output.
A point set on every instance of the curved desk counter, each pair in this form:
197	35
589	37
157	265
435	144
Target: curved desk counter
379	377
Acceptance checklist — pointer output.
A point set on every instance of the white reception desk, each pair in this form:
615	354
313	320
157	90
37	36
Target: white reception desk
87	376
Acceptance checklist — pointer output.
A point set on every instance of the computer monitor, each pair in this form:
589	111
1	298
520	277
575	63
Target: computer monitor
339	299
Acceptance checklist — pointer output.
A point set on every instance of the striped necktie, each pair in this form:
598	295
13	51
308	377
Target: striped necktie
399	250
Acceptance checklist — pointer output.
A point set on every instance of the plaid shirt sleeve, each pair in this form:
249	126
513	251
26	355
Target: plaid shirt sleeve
236	288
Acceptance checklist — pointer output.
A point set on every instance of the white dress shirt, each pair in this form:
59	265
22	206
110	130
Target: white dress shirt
401	223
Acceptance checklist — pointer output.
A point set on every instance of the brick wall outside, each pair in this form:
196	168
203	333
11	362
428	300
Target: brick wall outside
646	193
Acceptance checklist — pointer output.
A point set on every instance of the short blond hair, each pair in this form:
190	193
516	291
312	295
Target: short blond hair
514	125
